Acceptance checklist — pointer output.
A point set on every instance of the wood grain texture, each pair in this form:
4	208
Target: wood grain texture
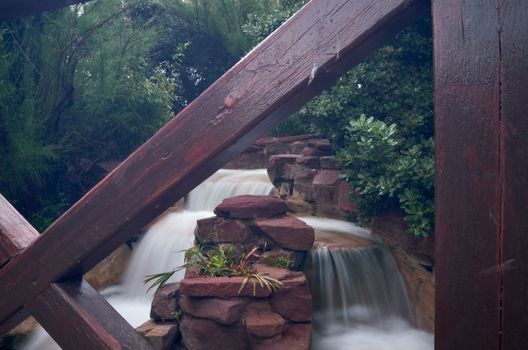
467	134
20	8
73	312
305	55
13	321
15	232
514	156
77	317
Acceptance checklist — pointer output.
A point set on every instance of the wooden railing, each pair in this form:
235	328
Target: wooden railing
303	57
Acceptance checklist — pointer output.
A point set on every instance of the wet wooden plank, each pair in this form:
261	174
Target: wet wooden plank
20	8
296	62
13	321
467	135
514	156
15	232
73	312
77	317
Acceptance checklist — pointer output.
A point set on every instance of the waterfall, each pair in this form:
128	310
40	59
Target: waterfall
161	247
360	301
359	296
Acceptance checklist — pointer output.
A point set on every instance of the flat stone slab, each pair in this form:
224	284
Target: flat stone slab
222	287
223	311
288	231
264	323
249	207
276	272
220	230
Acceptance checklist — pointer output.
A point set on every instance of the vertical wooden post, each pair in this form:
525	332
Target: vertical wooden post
468	211
514	160
481	97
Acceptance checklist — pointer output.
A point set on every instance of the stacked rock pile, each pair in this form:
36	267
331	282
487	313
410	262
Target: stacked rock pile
203	313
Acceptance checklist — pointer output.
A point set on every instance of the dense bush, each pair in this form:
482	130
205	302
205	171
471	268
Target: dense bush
379	117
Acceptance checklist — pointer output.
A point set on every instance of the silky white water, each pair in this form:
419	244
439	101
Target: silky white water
360	301
161	247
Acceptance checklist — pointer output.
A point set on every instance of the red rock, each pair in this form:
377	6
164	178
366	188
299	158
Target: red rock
289	232
220	230
263	323
296	337
299	172
298	205
324	194
327	177
297	147
320	144
277	148
343	203
277	166
328	163
285	189
222	287
294	300
276	272
304	190
315	152
309	162
200	334
165	302
248	207
272	257
160	336
223	311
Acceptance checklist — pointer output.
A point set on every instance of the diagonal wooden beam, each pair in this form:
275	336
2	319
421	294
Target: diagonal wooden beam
304	56
20	8
77	317
15	232
74	314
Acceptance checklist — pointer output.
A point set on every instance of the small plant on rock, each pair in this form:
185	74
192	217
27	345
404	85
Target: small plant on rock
220	261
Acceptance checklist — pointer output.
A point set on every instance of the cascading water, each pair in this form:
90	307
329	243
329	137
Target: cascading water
359	295
160	249
360	301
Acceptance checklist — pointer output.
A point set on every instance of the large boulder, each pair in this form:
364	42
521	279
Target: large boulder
222	287
249	207
160	336
219	230
165	302
223	311
288	231
201	334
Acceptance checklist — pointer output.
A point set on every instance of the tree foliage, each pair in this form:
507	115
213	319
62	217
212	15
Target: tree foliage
76	88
